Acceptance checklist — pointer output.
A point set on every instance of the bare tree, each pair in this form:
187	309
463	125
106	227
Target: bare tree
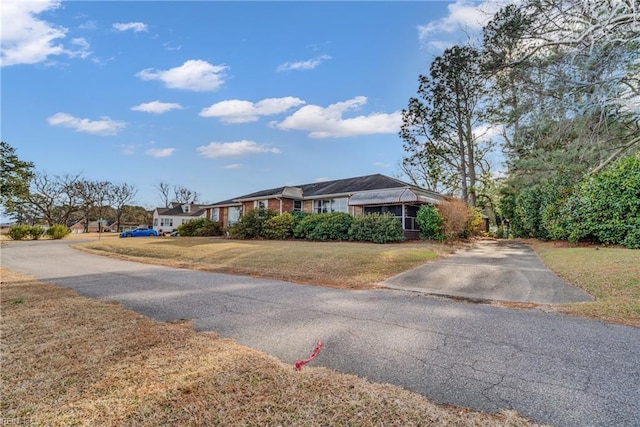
184	195
54	198
164	190
121	196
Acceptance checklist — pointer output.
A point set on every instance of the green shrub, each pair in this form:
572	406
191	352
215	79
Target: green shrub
606	207
527	221
306	225
298	216
58	231
36	232
632	239
430	222
334	226
328	226
377	228
190	228
210	228
553	197
279	227
251	224
474	225
19	232
200	227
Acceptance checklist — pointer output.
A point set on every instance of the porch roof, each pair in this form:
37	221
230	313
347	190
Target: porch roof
393	196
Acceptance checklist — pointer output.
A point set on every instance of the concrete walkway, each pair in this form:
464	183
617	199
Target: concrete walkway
496	270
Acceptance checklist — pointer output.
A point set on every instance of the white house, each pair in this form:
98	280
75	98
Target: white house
166	220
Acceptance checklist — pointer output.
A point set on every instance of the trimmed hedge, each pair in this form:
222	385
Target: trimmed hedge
200	227
279	227
325	226
377	228
604	208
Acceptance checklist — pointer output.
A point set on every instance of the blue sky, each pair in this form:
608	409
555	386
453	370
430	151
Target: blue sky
224	98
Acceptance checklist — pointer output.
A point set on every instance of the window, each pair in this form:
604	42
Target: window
155	222
395	210
166	222
261	204
330	205
409	216
297	205
215	214
234	215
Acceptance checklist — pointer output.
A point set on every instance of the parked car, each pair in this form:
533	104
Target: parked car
139	232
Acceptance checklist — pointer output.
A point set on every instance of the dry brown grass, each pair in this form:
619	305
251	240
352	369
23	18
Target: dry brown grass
611	275
70	360
72	236
338	264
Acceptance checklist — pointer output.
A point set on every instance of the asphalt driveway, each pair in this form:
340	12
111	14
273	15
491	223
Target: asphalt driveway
493	270
554	369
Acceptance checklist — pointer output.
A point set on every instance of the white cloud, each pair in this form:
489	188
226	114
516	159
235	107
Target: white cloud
136	27
238	111
233	166
234	149
128	149
195	75
171	46
82	48
157	107
465	15
160	152
327	122
89	25
104	126
486	133
29	40
303	65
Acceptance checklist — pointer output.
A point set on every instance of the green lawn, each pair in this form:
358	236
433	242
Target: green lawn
610	274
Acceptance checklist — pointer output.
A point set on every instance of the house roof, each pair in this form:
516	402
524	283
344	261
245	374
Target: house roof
339	187
176	210
79	225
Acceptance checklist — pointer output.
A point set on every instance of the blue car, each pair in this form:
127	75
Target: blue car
139	232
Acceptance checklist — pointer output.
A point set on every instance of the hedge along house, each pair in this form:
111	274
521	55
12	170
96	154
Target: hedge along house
166	220
356	196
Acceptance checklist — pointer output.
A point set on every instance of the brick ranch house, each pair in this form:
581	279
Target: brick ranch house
356	196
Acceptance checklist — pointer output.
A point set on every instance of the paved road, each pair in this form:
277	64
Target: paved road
557	370
503	270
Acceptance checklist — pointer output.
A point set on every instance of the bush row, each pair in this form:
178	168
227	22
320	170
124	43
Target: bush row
604	208
21	232
200	227
267	224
